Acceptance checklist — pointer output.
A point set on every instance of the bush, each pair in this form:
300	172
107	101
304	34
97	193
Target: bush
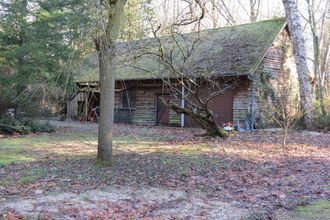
322	122
23	126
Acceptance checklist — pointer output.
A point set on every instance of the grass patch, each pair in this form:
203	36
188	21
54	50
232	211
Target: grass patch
35	147
73	144
27	179
24	177
103	163
190	150
317	210
32	176
11	157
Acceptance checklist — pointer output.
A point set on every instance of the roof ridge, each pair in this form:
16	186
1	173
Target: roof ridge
246	24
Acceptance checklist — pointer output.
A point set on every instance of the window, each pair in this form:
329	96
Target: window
128	99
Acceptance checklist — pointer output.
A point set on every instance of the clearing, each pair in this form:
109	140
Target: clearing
164	173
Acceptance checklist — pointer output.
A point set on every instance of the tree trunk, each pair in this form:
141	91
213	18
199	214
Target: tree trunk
285	135
23	74
324	59
107	89
254	10
301	59
317	54
105	46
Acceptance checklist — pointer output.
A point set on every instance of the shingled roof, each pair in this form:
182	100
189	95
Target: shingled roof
235	50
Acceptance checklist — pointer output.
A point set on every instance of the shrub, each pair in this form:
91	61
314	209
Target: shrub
37	126
322	122
23	126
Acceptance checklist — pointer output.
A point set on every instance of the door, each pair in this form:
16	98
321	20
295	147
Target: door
162	111
222	107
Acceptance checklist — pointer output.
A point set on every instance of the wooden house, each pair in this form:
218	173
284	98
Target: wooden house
242	51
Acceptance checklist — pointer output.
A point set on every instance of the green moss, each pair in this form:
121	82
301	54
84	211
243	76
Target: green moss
232	50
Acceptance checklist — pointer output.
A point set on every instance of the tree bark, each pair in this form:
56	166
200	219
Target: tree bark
317	54
324	59
254	10
207	121
105	46
300	58
107	89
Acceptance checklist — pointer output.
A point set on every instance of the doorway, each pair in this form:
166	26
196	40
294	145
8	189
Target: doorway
162	111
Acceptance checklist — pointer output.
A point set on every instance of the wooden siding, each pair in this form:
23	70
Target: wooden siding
222	107
241	100
277	61
174	118
273	61
144	112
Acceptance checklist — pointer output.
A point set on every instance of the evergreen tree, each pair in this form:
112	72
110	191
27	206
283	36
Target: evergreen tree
37	39
136	15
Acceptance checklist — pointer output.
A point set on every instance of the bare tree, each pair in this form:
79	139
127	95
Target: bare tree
279	102
324	57
217	13
325	53
214	14
109	16
192	83
301	59
316	20
254	9
221	8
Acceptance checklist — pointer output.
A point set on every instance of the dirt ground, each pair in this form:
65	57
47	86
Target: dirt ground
124	202
164	173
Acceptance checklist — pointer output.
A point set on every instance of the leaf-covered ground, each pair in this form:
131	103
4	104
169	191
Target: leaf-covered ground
162	173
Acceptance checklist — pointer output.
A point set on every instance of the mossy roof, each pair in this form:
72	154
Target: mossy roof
235	50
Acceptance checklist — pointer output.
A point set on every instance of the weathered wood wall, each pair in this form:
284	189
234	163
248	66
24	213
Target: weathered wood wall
144	112
145	107
222	106
241	100
174	118
277	62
